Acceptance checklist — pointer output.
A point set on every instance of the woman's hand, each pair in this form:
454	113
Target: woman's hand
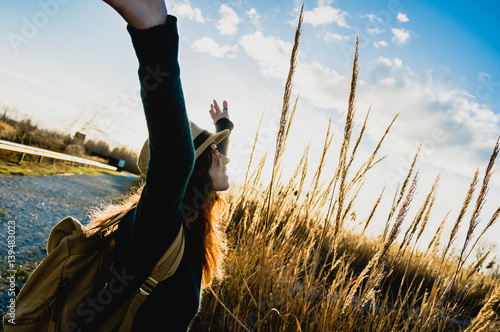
141	14
216	113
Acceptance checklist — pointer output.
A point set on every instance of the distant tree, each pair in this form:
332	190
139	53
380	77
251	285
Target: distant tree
7	132
75	150
97	147
130	157
4	114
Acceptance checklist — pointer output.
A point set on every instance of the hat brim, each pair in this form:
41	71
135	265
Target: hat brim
217	138
142	162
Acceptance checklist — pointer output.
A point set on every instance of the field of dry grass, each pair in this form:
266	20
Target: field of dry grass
295	264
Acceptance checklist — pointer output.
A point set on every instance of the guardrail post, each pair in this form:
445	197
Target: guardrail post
40	159
21	158
53	161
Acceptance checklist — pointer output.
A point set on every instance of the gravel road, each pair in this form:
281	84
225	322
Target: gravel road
36	204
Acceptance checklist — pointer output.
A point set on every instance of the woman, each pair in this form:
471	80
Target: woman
184	173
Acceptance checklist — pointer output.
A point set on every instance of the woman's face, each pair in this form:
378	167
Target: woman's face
217	171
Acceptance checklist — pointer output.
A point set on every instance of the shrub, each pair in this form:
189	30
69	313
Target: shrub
7	132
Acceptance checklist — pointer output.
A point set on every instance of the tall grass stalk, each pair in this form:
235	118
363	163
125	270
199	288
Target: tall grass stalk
398	198
283	131
341	171
475	218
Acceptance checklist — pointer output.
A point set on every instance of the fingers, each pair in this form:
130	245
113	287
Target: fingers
214	109
224	109
216	113
213	113
217	108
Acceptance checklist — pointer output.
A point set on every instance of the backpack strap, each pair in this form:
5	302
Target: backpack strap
165	268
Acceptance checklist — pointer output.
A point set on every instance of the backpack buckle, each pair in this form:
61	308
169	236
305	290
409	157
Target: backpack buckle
147	287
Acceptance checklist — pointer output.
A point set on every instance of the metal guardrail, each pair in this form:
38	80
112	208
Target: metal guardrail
6	145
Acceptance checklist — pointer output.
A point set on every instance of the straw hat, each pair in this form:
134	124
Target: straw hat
201	140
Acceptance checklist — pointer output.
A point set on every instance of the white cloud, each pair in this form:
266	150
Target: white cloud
334	37
383	61
228	23
381	43
403	18
322	3
254	16
316	82
443	117
185	10
325	15
396	63
210	46
386	71
375	31
321	85
388	81
401	36
271	53
372	17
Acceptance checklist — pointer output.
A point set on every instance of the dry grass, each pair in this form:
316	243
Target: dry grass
295	266
9	166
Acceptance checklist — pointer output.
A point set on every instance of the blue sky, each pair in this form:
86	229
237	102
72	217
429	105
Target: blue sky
436	63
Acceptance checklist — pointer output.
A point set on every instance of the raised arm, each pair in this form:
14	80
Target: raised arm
154	223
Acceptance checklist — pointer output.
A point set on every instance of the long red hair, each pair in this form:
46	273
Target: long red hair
203	205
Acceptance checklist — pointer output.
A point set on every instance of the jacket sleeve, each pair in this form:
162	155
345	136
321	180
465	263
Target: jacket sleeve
147	231
220	125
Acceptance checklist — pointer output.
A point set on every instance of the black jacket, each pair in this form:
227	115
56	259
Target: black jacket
147	231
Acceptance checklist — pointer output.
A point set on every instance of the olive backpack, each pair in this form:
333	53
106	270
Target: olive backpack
76	279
